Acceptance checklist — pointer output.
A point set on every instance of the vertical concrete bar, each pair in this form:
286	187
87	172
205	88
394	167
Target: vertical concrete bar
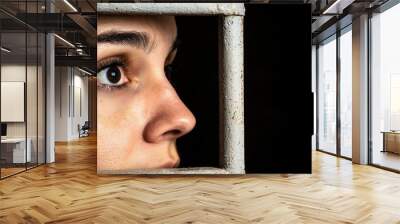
231	94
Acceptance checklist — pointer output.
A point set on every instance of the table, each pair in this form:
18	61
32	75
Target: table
391	141
16	147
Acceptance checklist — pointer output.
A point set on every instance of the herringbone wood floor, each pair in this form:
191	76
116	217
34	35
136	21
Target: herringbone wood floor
69	191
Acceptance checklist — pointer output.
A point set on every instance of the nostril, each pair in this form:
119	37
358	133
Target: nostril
172	133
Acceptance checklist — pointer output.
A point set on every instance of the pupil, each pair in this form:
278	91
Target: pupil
113	74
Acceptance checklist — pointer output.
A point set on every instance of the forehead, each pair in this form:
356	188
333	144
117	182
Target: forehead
157	27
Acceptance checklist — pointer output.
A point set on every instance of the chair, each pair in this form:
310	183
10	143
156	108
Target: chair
84	130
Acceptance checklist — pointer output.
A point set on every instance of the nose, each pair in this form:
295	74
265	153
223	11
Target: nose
170	119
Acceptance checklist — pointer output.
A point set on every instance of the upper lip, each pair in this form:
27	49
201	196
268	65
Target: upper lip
171	164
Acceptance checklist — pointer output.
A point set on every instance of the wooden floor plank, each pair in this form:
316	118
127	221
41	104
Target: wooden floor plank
70	191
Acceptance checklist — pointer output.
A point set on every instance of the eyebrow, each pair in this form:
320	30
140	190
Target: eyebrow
137	39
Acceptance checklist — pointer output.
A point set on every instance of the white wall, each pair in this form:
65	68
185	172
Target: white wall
33	127
13	101
16	72
71	102
80	96
61	103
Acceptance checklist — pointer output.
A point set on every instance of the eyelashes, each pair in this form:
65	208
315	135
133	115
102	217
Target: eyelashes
111	74
117	61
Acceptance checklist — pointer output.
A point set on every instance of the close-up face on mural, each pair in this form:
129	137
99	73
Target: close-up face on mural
140	115
171	111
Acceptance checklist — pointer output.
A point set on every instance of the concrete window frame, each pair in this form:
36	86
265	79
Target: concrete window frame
231	77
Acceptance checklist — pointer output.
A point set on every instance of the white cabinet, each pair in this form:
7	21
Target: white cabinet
17	146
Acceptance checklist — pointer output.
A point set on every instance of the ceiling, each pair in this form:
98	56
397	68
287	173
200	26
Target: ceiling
74	22
332	15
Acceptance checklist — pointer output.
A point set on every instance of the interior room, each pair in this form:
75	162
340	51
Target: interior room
385	89
321	116
28	56
23	93
335	77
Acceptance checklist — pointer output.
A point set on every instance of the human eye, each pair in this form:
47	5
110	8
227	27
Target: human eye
111	74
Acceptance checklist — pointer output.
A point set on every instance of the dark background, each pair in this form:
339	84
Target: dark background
196	81
278	98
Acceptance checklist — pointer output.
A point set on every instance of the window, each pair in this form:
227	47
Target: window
22	77
385	88
334	79
346	93
327	96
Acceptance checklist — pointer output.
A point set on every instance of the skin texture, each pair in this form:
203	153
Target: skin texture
139	122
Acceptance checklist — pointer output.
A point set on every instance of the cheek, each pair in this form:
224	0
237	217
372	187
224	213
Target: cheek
121	120
118	108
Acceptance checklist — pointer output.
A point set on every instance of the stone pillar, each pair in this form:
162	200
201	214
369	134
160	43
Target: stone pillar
231	94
